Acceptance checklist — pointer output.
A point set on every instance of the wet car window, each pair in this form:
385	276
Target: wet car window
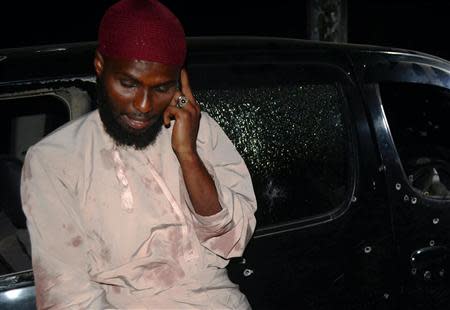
418	119
294	139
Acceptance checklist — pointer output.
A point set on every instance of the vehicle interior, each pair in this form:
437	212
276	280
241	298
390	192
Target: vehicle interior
418	120
27	117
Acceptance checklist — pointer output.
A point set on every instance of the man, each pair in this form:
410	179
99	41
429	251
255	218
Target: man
139	204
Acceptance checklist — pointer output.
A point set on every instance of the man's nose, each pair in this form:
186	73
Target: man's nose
142	102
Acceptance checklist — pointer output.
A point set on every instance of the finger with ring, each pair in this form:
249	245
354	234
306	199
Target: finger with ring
182	101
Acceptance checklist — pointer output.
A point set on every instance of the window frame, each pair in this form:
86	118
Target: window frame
75	108
405	177
345	86
400	68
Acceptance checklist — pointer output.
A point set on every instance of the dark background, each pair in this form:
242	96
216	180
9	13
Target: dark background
411	24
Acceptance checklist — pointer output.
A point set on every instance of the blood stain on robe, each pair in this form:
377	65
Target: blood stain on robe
76	241
69	227
116	289
157	189
225	243
107	159
151	185
105	254
43	282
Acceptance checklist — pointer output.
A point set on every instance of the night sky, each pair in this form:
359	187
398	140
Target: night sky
411	24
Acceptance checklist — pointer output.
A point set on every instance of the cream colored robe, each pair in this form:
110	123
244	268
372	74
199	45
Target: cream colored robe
112	227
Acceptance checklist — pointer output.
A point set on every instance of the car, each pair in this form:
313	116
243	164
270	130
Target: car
347	146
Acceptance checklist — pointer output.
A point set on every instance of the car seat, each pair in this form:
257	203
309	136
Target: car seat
10	173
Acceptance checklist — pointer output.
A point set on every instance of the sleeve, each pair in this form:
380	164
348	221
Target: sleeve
225	233
58	244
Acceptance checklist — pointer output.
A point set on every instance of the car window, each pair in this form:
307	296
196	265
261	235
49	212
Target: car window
25	120
417	115
29	113
290	129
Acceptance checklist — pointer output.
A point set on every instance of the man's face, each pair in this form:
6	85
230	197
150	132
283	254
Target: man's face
132	96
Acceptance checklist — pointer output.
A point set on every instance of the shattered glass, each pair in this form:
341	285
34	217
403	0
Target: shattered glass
293	139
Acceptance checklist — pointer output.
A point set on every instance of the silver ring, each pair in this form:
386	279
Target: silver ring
182	101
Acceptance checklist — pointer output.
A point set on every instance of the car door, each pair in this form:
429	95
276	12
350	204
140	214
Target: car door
323	238
30	110
410	106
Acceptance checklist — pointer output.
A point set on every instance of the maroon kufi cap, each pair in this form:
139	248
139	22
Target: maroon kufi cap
142	30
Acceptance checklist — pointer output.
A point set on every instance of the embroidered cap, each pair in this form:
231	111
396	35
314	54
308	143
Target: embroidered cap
142	30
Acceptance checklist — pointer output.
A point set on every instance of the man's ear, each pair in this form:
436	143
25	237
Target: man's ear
99	63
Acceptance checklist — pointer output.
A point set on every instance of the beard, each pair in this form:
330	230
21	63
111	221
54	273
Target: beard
121	134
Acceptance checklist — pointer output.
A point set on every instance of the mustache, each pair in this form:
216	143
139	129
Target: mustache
143	117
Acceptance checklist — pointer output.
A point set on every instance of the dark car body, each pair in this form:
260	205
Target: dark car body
348	150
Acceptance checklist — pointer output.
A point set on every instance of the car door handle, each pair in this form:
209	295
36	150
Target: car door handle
430	263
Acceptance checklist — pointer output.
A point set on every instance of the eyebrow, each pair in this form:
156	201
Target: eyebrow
135	80
166	83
